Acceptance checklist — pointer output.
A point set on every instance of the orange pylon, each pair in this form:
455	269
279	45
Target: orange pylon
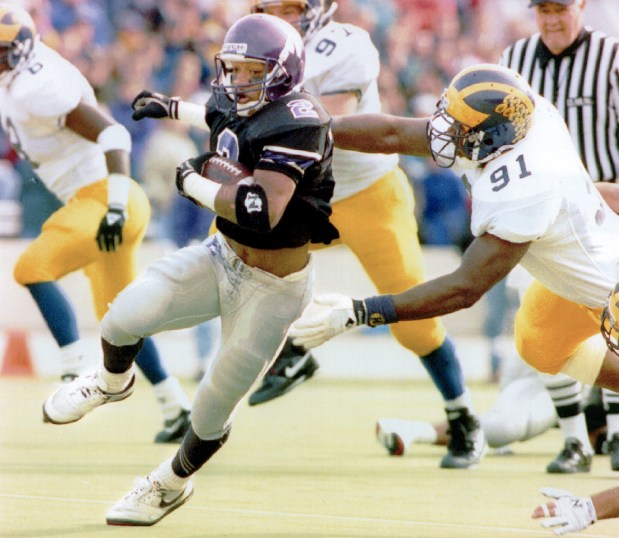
17	359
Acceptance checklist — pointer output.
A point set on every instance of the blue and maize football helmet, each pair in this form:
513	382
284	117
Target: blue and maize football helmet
18	37
485	110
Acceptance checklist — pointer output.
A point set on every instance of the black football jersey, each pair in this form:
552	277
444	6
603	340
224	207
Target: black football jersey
291	136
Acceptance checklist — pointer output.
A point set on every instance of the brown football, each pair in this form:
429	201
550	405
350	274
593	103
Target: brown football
224	171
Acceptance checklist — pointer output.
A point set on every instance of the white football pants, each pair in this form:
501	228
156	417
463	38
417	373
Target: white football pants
196	284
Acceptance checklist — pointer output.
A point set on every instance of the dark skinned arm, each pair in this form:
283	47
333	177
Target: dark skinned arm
485	262
606	503
381	133
89	122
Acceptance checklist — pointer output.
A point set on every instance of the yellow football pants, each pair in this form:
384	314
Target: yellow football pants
379	226
67	243
549	329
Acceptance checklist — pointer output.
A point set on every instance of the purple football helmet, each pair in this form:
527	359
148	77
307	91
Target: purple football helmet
264	38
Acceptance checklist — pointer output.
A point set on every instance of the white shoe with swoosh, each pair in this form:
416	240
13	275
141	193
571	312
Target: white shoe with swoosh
147	503
71	401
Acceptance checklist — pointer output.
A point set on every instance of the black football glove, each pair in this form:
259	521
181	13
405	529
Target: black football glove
188	166
182	171
154	105
110	233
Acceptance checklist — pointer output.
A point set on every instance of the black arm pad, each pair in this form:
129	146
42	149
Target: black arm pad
252	210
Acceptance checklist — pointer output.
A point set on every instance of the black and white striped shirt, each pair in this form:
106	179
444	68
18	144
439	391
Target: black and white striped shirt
583	83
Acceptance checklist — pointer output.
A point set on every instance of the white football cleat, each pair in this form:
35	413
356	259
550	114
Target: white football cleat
73	400
397	435
147	503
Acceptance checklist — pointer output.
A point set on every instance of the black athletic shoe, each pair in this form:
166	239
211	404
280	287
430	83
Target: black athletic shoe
174	429
572	459
600	443
467	443
293	366
613	450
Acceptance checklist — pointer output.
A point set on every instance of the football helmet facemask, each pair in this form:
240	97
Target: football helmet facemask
18	37
610	321
263	38
485	110
315	13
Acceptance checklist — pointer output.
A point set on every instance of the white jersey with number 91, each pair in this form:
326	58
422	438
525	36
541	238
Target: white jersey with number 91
540	192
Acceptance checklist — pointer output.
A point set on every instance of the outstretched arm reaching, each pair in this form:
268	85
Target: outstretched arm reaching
487	260
382	133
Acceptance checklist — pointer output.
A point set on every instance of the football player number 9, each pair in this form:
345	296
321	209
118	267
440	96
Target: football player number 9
325	46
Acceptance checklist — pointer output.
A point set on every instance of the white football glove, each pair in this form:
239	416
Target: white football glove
336	316
571	513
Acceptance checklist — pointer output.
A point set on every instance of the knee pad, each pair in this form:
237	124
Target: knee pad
113	329
28	269
585	364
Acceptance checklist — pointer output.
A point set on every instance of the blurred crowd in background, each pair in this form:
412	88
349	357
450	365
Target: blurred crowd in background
124	46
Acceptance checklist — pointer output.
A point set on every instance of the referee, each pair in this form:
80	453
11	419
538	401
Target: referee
577	69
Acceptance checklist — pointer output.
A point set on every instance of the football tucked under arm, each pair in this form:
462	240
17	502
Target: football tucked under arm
223	170
201	178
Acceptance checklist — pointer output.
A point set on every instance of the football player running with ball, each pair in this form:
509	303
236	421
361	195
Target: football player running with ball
373	209
81	155
256	272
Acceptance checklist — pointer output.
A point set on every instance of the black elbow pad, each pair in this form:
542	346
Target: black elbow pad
252	210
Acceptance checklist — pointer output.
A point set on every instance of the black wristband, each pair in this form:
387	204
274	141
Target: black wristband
252	208
379	310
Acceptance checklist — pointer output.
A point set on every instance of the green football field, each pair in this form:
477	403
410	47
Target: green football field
306	465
